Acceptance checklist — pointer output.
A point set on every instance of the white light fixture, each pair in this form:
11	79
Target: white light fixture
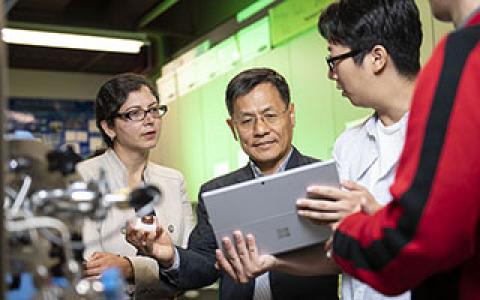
70	41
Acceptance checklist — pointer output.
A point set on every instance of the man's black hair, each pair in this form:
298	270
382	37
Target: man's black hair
362	24
247	80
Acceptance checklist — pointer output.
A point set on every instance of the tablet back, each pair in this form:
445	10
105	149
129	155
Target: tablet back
265	207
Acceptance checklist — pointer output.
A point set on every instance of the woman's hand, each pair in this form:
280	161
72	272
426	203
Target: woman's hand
101	261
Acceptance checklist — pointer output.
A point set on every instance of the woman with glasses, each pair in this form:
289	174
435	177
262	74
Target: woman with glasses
128	115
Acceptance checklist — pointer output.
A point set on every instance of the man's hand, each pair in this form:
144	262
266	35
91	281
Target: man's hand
329	205
100	261
242	261
156	244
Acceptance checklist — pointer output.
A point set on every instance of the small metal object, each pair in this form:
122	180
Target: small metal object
171	228
148	219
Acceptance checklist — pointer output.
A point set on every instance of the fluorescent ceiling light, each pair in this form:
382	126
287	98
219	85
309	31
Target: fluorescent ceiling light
70	41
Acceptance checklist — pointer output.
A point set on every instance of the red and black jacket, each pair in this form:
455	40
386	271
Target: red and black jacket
428	238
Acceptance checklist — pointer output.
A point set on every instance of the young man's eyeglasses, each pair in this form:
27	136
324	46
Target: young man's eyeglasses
269	117
139	114
333	60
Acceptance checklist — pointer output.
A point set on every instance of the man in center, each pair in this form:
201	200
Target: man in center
262	120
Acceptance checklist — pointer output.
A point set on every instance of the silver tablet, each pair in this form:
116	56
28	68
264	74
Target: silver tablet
265	207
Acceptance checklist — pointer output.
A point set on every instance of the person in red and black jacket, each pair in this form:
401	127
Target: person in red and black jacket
428	237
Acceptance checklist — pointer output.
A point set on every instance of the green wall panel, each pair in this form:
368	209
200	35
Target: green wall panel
311	92
276	59
219	140
433	30
192	138
428	39
291	17
167	151
254	39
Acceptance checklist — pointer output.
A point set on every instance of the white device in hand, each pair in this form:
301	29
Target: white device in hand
146	223
143	200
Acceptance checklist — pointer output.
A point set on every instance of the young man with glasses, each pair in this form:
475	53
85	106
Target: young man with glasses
128	115
374	59
262	120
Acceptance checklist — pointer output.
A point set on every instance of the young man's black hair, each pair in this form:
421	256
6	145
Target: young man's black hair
360	25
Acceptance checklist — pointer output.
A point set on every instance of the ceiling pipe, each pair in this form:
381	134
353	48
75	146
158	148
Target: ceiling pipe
156	12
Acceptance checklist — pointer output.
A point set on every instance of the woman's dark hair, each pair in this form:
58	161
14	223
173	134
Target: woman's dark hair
113	94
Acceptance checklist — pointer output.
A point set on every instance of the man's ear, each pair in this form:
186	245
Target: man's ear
108	130
379	58
232	128
291	114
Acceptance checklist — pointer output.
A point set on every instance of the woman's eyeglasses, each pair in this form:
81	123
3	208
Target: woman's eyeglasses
139	114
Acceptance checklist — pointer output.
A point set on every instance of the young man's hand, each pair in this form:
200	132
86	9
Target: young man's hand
329	205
